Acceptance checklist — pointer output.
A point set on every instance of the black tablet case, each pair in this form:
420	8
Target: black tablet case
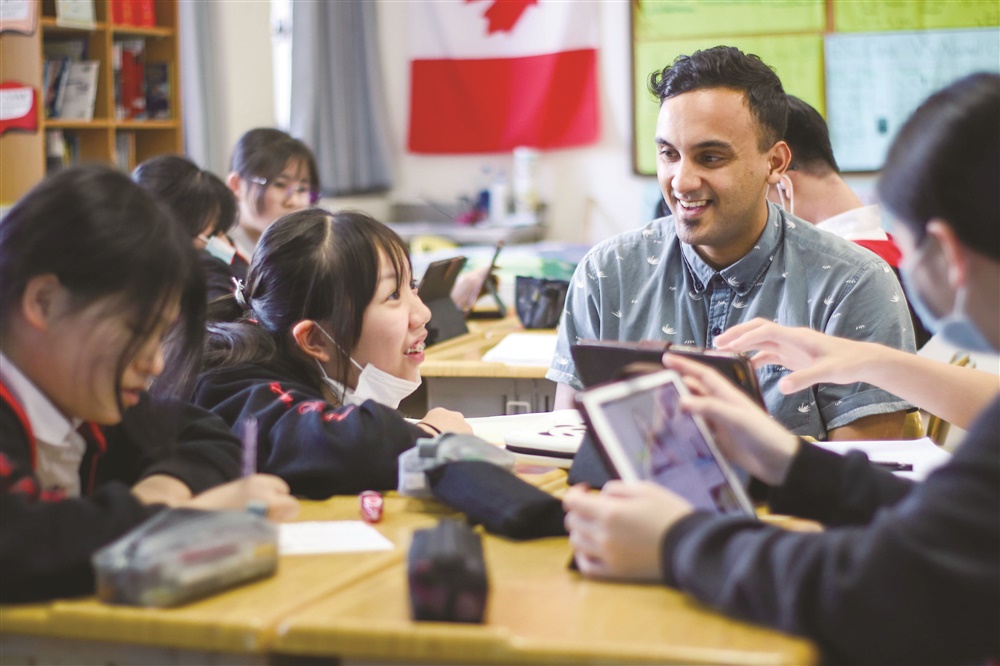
447	321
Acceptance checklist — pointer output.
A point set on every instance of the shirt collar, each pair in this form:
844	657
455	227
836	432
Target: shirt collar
47	423
856	224
744	274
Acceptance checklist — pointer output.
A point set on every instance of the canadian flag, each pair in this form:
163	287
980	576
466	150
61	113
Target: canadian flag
491	75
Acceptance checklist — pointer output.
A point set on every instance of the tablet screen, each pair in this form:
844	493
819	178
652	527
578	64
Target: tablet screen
645	436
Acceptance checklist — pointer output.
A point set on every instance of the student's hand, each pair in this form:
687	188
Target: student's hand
265	488
617	534
161	489
445	420
744	432
814	357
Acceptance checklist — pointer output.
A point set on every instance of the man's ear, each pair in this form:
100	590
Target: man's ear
778	159
44	299
953	250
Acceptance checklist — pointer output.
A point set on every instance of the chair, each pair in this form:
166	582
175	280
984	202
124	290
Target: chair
937	428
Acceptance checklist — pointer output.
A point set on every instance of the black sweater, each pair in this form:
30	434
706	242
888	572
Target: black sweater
46	539
910	573
320	449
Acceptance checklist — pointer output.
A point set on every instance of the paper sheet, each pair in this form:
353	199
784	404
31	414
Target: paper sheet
535	349
340	536
923	454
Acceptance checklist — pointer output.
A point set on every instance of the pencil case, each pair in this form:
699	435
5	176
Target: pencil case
447	574
183	554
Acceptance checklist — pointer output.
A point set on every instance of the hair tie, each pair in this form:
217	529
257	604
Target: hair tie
238	292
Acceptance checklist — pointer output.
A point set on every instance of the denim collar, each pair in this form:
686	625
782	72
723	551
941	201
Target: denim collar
744	274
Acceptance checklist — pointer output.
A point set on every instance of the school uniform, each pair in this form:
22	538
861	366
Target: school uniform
66	484
910	574
318	448
218	275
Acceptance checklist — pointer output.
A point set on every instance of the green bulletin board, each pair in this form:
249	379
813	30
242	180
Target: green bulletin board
791	36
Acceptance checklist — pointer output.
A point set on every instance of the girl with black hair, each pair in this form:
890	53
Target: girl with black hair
272	174
323	342
204	208
93	276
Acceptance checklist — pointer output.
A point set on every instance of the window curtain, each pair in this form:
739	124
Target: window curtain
337	107
202	109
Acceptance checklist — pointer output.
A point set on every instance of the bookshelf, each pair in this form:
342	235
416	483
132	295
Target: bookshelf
108	138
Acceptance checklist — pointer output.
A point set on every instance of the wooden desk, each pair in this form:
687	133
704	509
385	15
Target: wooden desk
456	377
355	606
538	612
239	622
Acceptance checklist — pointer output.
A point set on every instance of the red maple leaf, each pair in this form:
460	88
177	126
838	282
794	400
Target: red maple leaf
503	15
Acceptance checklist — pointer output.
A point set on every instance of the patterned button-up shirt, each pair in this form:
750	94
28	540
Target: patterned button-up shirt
647	284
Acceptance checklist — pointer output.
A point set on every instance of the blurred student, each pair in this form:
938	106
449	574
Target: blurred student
906	572
93	276
272	174
324	341
813	190
203	206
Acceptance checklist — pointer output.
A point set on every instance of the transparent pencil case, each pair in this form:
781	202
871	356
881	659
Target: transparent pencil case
183	554
431	453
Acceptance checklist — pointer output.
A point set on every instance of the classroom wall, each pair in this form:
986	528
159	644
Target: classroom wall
244	47
591	191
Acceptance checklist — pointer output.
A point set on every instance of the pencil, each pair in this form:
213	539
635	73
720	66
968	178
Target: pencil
249	446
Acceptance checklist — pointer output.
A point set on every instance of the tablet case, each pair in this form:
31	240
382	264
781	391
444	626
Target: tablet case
447	321
602	361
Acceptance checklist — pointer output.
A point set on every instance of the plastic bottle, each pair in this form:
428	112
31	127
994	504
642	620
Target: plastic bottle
525	192
499	198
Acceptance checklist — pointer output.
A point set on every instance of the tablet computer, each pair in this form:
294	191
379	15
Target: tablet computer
447	321
601	361
476	289
643	435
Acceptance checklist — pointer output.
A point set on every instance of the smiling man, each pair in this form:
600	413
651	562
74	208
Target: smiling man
726	255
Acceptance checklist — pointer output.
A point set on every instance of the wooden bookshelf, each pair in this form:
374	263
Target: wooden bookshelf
23	155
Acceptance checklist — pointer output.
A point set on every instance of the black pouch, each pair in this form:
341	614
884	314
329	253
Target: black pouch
498	500
540	301
447	574
589	466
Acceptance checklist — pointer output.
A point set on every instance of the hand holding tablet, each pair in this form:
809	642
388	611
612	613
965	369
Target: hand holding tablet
645	436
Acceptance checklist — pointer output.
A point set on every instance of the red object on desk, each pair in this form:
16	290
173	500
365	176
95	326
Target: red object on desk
371	506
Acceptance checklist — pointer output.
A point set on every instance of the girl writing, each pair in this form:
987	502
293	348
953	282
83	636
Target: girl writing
93	275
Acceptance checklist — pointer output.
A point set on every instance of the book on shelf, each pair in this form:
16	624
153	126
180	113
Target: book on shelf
75	14
158	90
134	12
125	151
61	149
59	54
128	57
78	91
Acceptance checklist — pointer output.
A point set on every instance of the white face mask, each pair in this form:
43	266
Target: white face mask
373	384
219	249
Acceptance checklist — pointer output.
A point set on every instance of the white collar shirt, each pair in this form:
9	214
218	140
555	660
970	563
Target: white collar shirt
59	447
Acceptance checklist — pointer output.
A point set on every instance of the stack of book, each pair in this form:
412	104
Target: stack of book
69	80
133	12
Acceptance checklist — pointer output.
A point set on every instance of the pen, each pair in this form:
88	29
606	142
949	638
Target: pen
249	446
893	466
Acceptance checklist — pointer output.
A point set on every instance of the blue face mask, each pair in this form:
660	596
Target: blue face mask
955	329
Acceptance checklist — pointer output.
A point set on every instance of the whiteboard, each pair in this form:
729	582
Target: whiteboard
874	81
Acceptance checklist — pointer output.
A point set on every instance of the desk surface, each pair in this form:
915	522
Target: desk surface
355	605
462	356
